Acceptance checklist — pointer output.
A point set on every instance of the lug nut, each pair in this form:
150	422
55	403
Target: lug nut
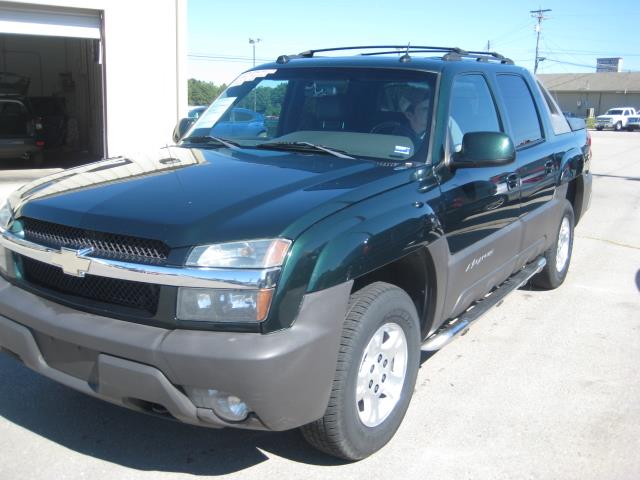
375	390
385	362
370	383
384	377
379	358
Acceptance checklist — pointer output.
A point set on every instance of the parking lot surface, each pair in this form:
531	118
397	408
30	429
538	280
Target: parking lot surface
546	386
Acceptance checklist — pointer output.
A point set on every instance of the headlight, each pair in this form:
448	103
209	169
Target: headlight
250	254
231	305
223	305
6	214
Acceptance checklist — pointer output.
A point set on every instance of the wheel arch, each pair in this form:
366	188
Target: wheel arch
421	275
579	195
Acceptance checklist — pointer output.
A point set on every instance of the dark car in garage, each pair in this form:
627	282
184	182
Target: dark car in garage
20	129
52	114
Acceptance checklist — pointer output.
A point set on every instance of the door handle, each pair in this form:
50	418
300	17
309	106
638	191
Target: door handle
548	167
513	181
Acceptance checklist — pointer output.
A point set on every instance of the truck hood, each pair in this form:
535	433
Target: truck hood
607	117
186	197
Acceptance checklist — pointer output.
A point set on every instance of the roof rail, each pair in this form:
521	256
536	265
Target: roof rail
450	53
486	56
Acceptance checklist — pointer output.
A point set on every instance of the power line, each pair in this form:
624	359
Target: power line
547	59
539	14
226	58
502	38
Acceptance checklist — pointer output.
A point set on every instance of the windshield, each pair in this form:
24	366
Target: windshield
614	112
376	113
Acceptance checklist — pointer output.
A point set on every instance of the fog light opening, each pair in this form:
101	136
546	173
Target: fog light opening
226	406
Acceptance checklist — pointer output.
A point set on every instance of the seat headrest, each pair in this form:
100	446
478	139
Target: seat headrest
330	108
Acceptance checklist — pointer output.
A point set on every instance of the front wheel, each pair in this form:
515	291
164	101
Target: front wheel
375	375
558	256
618	126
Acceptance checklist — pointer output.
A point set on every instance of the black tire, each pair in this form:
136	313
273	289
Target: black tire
340	432
618	127
599	128
550	277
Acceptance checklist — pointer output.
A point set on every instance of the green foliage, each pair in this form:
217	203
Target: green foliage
203	93
266	100
591	122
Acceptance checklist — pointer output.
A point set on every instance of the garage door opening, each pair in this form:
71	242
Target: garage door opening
64	100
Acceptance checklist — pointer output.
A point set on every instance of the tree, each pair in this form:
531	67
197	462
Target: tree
203	93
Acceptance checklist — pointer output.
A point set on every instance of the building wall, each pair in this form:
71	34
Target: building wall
579	102
146	85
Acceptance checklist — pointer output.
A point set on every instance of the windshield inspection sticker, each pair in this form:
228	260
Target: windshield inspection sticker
402	150
216	110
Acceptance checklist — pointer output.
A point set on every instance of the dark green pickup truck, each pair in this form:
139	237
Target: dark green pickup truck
289	274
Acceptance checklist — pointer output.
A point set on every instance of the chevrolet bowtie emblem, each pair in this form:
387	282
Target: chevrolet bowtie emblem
72	262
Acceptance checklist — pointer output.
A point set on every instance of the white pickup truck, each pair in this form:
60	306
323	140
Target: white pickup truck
616	118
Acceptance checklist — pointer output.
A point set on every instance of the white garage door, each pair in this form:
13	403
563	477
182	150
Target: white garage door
37	20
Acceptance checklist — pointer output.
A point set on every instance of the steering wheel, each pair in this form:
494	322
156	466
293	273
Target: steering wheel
392	128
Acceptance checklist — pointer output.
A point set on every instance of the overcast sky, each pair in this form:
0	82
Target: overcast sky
574	35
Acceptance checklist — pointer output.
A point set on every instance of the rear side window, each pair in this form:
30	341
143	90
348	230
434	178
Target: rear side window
523	117
558	120
472	109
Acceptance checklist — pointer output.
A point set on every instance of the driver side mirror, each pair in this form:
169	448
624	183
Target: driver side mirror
181	128
484	149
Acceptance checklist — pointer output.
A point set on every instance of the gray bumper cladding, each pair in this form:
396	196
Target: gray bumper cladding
120	381
285	377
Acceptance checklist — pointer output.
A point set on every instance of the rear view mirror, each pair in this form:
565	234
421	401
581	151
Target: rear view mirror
484	149
181	128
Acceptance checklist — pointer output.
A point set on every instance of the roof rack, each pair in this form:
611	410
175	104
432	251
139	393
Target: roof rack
450	53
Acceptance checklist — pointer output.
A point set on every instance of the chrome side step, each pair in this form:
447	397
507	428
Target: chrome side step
460	325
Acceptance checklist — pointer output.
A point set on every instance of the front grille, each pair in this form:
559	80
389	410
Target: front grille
136	295
105	245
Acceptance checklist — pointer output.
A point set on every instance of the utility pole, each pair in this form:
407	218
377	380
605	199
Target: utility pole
488	45
253	42
539	14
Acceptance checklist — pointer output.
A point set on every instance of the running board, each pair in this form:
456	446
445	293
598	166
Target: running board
460	325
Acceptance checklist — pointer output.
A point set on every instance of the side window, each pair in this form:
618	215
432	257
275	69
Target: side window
243	116
471	110
558	120
525	124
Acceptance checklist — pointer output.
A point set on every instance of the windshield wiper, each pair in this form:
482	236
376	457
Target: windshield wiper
305	147
208	139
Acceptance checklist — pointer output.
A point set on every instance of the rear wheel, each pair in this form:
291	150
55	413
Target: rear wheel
558	256
599	128
375	375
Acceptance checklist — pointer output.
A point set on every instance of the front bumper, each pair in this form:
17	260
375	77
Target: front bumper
285	377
